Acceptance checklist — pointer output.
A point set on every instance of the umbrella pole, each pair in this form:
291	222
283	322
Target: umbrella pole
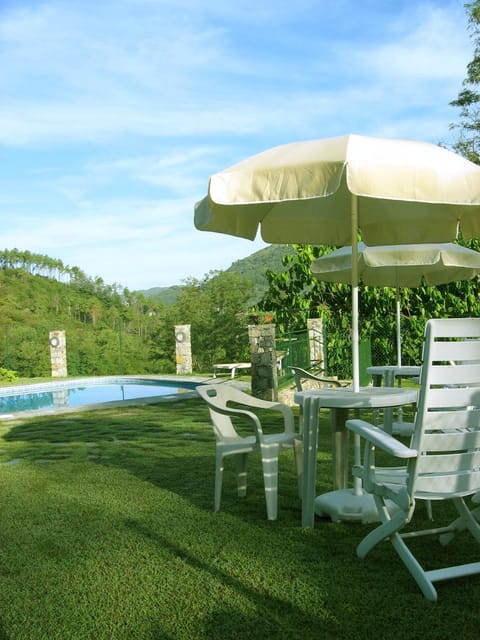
355	349
399	338
357	483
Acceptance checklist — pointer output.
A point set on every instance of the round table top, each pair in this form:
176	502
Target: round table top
347	398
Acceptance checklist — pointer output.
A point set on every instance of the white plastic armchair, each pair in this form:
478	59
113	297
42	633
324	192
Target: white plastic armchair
443	459
226	403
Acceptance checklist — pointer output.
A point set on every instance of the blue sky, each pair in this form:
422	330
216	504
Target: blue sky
114	114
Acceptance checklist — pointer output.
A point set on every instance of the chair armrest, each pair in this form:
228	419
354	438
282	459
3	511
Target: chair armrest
300	373
258	403
381	439
285	410
230	411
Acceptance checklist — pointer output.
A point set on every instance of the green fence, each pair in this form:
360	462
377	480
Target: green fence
384	345
376	349
338	356
293	350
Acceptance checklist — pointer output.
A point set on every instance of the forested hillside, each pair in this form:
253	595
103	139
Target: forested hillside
109	329
252	268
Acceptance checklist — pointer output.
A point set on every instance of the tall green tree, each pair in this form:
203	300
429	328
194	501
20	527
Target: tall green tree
216	308
468	99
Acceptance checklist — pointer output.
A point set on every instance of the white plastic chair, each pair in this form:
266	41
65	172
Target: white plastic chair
224	402
443	459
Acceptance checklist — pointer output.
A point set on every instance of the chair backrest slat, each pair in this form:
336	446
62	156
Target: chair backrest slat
455	374
465	350
451	397
448	420
449	485
449	462
458	440
456	327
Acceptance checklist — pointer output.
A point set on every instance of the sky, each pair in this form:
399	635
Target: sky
114	114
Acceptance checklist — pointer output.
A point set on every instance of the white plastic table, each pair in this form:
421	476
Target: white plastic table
389	373
341	503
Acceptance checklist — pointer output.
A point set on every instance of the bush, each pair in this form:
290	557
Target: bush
7	375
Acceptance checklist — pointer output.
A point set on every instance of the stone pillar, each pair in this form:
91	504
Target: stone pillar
183	354
58	354
315	338
263	358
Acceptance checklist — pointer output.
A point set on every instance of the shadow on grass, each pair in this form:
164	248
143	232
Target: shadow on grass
236	574
170	445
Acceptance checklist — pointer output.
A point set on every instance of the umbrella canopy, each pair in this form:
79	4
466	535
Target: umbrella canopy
408	265
325	191
400	266
301	193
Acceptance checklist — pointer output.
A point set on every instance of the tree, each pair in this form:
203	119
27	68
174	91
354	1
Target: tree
295	295
468	100
216	308
108	330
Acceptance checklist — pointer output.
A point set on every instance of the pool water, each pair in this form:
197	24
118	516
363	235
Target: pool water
89	392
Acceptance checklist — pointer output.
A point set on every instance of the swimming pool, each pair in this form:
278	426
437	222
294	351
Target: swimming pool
92	392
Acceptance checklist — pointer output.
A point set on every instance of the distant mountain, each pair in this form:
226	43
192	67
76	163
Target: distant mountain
253	268
165	295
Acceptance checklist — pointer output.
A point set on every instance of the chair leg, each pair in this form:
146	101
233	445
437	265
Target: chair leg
390	529
241	462
389	526
414	567
270	478
218	480
298	453
428	506
468	519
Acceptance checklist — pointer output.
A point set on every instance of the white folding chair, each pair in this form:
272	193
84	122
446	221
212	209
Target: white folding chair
443	459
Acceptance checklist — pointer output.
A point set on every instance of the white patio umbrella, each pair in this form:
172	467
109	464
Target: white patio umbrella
326	191
400	266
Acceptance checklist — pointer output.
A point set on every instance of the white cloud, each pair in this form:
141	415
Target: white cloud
73	79
114	114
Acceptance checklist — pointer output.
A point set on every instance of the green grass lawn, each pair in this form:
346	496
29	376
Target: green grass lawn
107	531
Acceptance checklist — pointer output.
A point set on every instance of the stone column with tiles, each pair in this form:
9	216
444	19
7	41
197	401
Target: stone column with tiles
315	338
58	354
263	358
183	349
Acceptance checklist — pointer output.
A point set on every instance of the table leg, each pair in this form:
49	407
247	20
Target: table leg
377	382
310	411
338	418
377	379
388	381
